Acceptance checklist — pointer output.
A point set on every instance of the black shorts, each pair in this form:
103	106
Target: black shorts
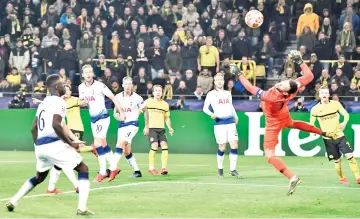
334	148
78	134
157	135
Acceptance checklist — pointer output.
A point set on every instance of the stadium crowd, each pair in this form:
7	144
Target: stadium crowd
179	44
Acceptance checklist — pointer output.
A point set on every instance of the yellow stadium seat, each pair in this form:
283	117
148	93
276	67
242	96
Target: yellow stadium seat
260	71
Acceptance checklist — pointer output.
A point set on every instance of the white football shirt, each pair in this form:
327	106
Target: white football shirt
131	105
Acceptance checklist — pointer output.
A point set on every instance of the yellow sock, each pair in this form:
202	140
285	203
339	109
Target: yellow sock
85	149
152	154
354	167
164	158
339	169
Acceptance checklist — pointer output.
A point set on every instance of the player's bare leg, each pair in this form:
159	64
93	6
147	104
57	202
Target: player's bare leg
353	166
164	157
84	189
233	156
98	142
282	168
152	153
220	160
29	185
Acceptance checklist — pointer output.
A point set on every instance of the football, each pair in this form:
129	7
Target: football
254	18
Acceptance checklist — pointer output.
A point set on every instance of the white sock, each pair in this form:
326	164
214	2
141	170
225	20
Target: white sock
102	160
132	161
233	156
117	156
54	177
293	178
71	176
220	159
84	189
25	189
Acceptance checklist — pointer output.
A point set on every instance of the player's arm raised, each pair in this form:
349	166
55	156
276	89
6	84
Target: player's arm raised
343	112
307	76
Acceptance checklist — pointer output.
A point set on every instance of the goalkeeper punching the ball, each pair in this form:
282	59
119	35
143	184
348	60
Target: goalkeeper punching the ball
274	103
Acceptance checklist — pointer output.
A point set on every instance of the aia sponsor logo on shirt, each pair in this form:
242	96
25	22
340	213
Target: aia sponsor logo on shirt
89	98
224	101
127	110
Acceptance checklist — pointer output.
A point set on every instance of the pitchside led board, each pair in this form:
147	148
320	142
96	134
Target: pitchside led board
193	134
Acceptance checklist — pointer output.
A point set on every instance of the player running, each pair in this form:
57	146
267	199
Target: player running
218	105
326	112
94	93
52	146
75	130
156	114
132	105
274	103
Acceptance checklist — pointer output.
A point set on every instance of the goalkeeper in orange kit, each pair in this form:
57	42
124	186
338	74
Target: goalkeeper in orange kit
274	103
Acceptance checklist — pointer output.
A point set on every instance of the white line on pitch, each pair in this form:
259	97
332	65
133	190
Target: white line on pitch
93	189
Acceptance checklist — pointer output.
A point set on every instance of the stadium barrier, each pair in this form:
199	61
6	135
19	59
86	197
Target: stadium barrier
193	134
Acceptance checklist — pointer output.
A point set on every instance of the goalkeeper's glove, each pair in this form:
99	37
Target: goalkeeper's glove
296	56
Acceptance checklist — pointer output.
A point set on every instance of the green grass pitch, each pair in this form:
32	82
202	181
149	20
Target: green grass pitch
191	190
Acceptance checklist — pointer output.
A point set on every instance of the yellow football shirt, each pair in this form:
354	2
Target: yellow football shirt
158	110
208	55
73	117
328	117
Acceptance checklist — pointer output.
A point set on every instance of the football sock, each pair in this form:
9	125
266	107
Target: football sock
84	189
233	156
54	177
280	166
303	126
220	159
152	154
132	162
71	176
164	156
117	155
339	169
25	189
102	160
354	167
109	157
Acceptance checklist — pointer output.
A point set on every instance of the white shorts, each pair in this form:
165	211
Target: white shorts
127	133
57	153
225	133
100	128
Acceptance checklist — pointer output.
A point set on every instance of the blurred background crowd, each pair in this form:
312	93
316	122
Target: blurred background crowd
179	44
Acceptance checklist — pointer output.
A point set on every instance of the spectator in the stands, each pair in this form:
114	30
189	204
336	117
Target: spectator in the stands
62	74
142	60
157	56
233	28
299	106
346	39
118	68
356	78
209	57
66	16
115	88
328	29
173	60
341	80
189	54
304	52
5	87
86	49
141	81
2	68
344	65
168	91
175	80
100	40
160	80
11	25
356	53
205	81
335	89
149	87
128	45
324	79
190	80
315	67
108	78
198	31
68	59
83	19
29	79
241	46
288	74
322	48
351	17
14	78
182	89
265	52
19	56
247	68
198	93
307	39
113	48
281	15
353	91
50	56
308	19
191	17
47	40
223	44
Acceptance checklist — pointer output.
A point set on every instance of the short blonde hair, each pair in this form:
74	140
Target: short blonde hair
87	67
127	78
